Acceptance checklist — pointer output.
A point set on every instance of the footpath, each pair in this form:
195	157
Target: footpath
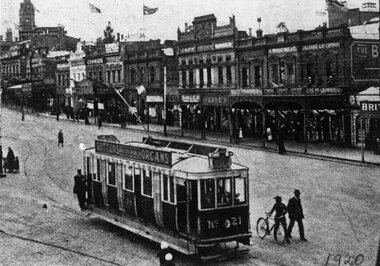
323	151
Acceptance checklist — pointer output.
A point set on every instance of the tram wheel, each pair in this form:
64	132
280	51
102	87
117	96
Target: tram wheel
262	227
279	236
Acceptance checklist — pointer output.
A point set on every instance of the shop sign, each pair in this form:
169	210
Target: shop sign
173	98
138	153
365	61
323	91
94	61
154	99
112	48
370	107
215	100
223	45
191	98
204	47
187	49
291	49
321	46
246	92
112	59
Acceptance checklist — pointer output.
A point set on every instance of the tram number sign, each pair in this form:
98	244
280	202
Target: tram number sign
370	107
142	154
227	223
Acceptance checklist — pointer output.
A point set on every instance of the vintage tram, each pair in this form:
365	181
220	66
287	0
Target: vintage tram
191	196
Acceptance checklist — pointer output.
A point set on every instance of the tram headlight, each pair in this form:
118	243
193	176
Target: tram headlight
227	223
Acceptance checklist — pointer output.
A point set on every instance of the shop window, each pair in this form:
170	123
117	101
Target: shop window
168	188
113	76
224	193
191	78
240	197
229	74
244	74
184	77
257	76
209	81
142	75
274	73
183	62
220	59
128	179
207	193
118	72
220	75
208	60
96	174
228	58
282	71
147	183
100	75
152	74
108	76
112	174
190	61
201	78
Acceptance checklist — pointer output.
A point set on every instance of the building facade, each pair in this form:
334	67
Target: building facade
145	65
207	72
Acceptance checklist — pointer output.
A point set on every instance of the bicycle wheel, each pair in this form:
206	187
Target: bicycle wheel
262	227
279	236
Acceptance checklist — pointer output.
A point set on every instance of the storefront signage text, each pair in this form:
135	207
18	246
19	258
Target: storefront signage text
94	61
215	101
246	92
223	45
370	107
320	46
291	49
113	59
191	98
187	49
112	48
323	91
138	153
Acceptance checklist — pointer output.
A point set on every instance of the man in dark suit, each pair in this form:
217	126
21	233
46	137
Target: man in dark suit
296	214
80	189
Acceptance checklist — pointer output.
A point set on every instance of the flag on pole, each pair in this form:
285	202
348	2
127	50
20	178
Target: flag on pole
94	9
141	91
36	9
149	10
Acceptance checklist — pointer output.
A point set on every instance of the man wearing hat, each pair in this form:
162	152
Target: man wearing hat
80	189
163	252
296	214
279	217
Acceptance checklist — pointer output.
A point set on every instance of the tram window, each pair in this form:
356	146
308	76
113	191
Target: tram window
168	188
128	179
111	174
224	192
239	190
208	193
98	173
147	183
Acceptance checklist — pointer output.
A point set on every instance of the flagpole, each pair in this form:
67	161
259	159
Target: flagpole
138	118
143	21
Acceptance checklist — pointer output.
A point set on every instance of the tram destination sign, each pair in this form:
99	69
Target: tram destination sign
370	107
157	157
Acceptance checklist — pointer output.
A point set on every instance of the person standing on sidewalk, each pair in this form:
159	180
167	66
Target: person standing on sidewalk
80	189
296	214
280	139
163	252
60	137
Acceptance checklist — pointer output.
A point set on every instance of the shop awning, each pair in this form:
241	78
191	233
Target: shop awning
25	87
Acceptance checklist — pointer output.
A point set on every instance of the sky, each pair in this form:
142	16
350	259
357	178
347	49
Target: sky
127	18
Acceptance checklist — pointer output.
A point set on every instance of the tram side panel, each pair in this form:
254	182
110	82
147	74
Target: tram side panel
143	193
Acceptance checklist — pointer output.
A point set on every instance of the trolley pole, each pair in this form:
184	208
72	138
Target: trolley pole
1	146
165	107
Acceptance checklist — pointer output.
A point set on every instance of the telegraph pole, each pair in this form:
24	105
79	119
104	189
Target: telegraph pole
1	91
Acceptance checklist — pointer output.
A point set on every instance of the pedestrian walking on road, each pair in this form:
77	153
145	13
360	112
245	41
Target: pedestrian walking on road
240	135
60	137
99	121
279	217
296	214
80	189
16	165
10	160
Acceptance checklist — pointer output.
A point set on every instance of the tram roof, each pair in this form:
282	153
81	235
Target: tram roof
184	157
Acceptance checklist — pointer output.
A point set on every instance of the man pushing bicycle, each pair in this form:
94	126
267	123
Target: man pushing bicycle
279	217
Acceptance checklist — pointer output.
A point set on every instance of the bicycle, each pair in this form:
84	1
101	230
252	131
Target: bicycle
262	229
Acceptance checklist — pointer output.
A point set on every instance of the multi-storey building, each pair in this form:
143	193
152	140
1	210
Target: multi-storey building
145	65
207	72
62	79
77	73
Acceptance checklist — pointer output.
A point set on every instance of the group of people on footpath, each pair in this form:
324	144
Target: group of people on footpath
295	212
11	163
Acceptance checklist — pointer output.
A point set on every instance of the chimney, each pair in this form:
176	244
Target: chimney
259	33
1	37
118	37
250	32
